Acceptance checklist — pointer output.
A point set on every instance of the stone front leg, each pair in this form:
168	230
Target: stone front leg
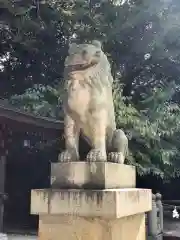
71	131
98	139
119	148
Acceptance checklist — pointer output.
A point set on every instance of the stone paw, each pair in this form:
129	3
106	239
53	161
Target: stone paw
96	155
67	156
116	157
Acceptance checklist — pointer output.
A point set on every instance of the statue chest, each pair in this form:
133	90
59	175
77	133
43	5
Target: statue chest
78	96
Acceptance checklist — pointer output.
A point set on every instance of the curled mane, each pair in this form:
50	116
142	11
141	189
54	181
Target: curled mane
97	75
100	74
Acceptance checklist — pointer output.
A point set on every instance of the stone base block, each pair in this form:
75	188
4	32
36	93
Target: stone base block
109	203
92	175
54	227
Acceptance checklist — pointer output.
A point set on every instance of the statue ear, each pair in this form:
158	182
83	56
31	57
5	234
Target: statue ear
72	47
96	43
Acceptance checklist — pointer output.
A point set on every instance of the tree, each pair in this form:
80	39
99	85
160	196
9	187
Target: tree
35	39
153	130
141	39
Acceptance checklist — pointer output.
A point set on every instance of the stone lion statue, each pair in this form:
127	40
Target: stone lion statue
88	106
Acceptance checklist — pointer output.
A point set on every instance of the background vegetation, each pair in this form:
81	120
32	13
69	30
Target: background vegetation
142	41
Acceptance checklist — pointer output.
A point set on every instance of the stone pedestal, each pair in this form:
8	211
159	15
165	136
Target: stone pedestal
56	227
92	175
113	210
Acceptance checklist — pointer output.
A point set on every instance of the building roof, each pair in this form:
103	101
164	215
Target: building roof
9	112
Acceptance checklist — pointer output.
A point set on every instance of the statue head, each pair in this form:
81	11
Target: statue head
88	63
82	56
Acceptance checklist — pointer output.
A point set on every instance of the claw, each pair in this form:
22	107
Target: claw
67	156
96	155
116	157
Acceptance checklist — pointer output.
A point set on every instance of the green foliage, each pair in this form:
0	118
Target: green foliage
154	146
40	100
141	39
35	38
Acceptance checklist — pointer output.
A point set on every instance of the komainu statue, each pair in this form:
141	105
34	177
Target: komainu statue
88	106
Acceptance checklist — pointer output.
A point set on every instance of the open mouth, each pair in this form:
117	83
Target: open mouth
79	67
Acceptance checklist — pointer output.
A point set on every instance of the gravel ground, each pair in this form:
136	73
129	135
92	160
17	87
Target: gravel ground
172	228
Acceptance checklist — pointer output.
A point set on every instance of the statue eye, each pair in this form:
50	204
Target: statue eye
84	52
97	53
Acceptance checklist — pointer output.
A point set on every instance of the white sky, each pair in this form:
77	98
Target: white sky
3	59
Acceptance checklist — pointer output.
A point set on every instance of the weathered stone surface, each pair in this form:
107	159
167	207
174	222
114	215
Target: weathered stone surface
56	227
92	175
112	203
88	106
